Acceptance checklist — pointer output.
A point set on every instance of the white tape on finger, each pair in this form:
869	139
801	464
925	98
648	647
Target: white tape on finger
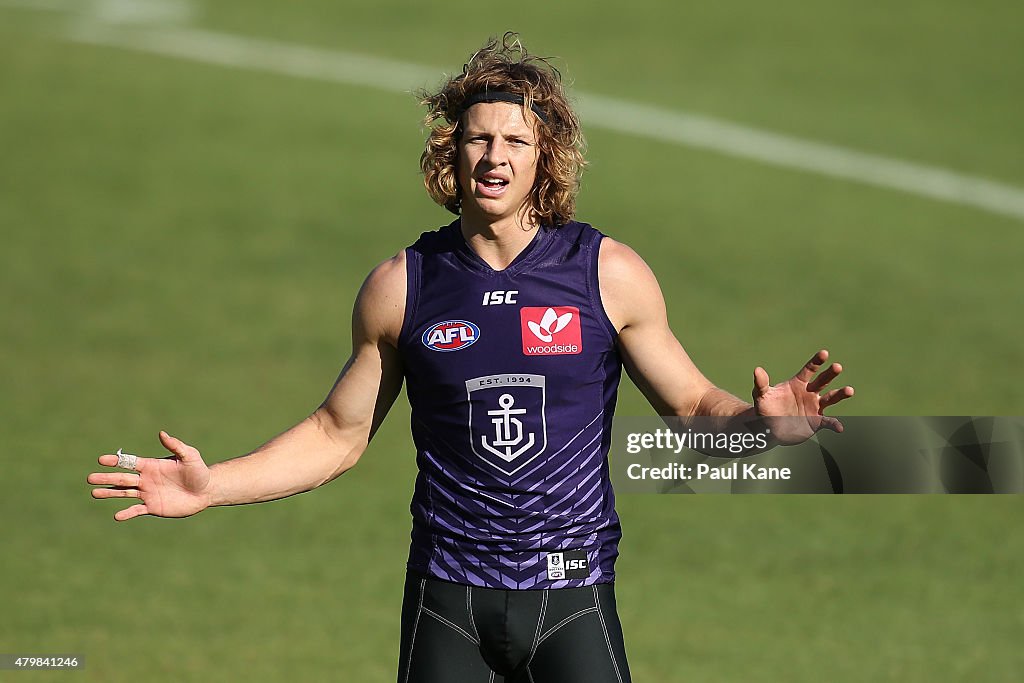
127	460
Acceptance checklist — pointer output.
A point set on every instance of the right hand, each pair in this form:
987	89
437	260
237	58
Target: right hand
175	486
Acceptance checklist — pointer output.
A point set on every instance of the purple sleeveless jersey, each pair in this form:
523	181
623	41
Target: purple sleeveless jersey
512	377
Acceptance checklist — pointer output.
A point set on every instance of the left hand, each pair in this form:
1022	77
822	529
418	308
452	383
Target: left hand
800	397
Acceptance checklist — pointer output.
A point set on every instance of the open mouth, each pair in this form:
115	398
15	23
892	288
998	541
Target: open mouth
491	187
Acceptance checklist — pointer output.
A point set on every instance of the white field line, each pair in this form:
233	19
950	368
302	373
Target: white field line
48	5
114	11
613	114
791	152
138	12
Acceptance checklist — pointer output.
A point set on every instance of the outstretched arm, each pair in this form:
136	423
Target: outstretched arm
312	453
661	368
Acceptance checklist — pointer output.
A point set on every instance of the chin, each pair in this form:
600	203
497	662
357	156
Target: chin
491	210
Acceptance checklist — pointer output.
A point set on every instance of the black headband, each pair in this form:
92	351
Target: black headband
502	96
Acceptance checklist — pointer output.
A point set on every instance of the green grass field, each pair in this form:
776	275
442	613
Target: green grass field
182	243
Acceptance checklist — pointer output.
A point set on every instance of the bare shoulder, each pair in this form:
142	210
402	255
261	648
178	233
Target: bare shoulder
617	259
380	305
629	289
386	277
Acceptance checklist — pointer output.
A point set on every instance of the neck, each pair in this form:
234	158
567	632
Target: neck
498	242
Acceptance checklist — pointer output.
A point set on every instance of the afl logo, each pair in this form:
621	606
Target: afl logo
451	335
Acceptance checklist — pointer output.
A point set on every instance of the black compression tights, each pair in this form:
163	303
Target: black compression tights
462	634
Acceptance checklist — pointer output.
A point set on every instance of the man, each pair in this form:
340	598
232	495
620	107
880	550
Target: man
509	327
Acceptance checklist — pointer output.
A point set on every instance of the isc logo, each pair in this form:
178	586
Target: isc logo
500	296
571	564
450	335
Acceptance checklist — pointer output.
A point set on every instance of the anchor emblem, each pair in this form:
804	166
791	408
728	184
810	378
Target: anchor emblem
507	425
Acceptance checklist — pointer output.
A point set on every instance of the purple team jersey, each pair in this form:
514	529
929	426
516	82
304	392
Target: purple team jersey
512	377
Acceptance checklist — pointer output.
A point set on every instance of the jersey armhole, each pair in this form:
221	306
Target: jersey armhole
594	285
412	293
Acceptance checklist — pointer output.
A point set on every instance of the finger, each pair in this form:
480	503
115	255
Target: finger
823	380
832	423
179	448
835	396
128	513
812	366
761	382
116	493
110	460
114	479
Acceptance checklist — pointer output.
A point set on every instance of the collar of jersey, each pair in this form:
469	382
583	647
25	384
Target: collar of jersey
530	253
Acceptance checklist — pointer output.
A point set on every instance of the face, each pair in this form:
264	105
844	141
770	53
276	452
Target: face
497	162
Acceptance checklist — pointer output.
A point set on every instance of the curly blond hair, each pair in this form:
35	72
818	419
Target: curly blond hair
505	66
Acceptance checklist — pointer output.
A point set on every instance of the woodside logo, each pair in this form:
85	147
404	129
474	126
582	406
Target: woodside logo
551	330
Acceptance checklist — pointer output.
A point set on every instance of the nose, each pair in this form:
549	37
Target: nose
497	152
